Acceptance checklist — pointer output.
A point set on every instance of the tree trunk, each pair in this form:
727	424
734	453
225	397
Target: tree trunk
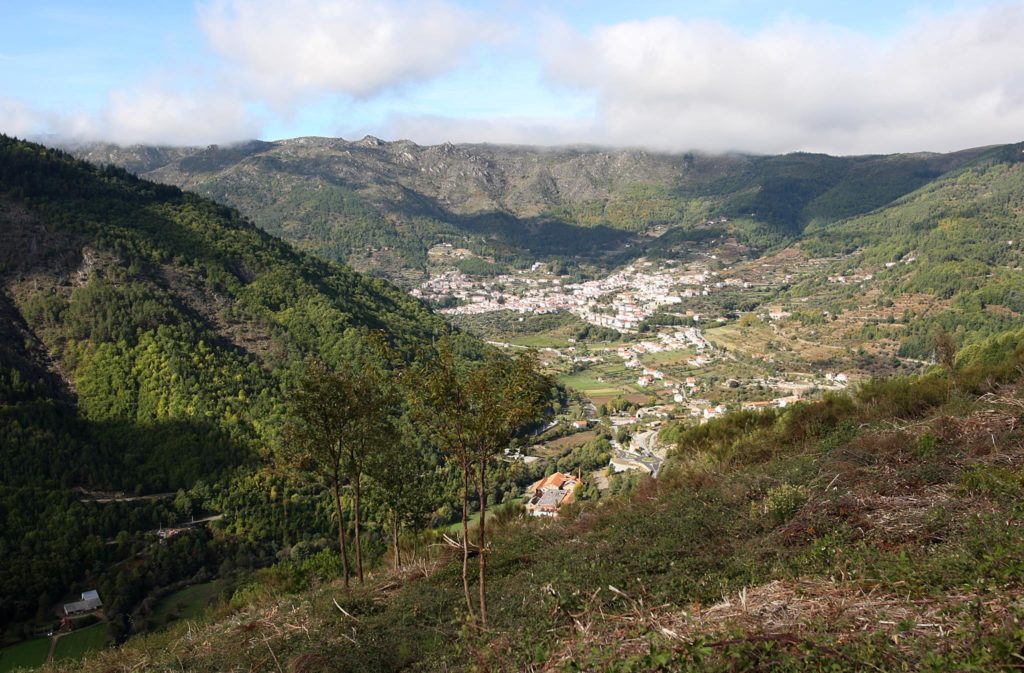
284	504
358	516
482	493
398	549
466	469
341	529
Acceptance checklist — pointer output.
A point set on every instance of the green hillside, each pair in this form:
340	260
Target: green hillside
381	205
147	336
957	239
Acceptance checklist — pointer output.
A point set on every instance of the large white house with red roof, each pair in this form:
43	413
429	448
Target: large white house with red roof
548	494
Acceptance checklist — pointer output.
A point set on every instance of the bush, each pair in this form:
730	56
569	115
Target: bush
815	419
783	502
903	397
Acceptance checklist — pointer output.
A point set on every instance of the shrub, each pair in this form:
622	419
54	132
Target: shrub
815	419
783	502
903	397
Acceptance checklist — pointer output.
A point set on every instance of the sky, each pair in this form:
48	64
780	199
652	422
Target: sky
751	75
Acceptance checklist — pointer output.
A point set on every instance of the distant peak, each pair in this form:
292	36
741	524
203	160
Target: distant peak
370	141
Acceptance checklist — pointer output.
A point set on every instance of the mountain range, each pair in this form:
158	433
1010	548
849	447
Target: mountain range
379	206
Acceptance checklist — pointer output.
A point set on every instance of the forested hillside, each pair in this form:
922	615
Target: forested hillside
147	336
381	205
957	240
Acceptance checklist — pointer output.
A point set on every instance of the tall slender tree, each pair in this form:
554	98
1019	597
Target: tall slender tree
337	421
313	440
477	410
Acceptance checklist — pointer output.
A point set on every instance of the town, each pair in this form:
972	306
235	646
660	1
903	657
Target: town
677	340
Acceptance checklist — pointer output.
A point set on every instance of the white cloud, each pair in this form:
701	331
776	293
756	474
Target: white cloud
943	83
285	52
436	129
158	116
18	119
149	115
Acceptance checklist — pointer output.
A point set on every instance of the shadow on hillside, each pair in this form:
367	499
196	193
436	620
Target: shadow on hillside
56	446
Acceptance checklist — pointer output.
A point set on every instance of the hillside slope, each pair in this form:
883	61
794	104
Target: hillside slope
883	530
958	239
146	338
381	205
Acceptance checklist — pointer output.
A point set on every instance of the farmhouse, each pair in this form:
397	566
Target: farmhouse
550	493
90	601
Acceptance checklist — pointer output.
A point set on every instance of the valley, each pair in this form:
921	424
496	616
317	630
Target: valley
157	342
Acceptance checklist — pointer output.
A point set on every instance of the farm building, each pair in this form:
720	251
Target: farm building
90	601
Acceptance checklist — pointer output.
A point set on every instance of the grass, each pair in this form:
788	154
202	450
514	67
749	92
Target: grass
668	357
556	446
29	654
187	603
540	341
77	644
474	519
589	385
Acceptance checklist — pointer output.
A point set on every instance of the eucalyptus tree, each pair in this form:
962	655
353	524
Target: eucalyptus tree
404	481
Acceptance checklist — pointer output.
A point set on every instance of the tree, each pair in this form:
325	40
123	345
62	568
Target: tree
336	420
402	480
475	411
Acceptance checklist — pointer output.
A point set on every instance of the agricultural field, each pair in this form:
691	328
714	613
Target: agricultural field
29	654
187	603
77	644
591	384
557	447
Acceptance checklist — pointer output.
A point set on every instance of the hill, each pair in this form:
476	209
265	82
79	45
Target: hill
381	205
146	338
956	240
880	530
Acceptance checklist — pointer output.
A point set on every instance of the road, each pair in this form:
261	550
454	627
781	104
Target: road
95	496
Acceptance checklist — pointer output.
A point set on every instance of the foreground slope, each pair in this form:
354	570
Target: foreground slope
878	531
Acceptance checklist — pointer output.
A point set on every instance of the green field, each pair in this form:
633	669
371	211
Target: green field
77	644
668	357
29	654
188	603
544	340
587	383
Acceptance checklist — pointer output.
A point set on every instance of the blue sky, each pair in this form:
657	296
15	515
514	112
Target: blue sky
751	75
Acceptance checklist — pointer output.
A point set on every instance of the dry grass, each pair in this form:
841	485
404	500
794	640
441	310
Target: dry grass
788	612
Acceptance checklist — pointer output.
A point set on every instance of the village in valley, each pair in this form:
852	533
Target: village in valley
660	340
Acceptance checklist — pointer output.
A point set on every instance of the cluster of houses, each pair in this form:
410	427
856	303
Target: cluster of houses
547	495
649	376
620	301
